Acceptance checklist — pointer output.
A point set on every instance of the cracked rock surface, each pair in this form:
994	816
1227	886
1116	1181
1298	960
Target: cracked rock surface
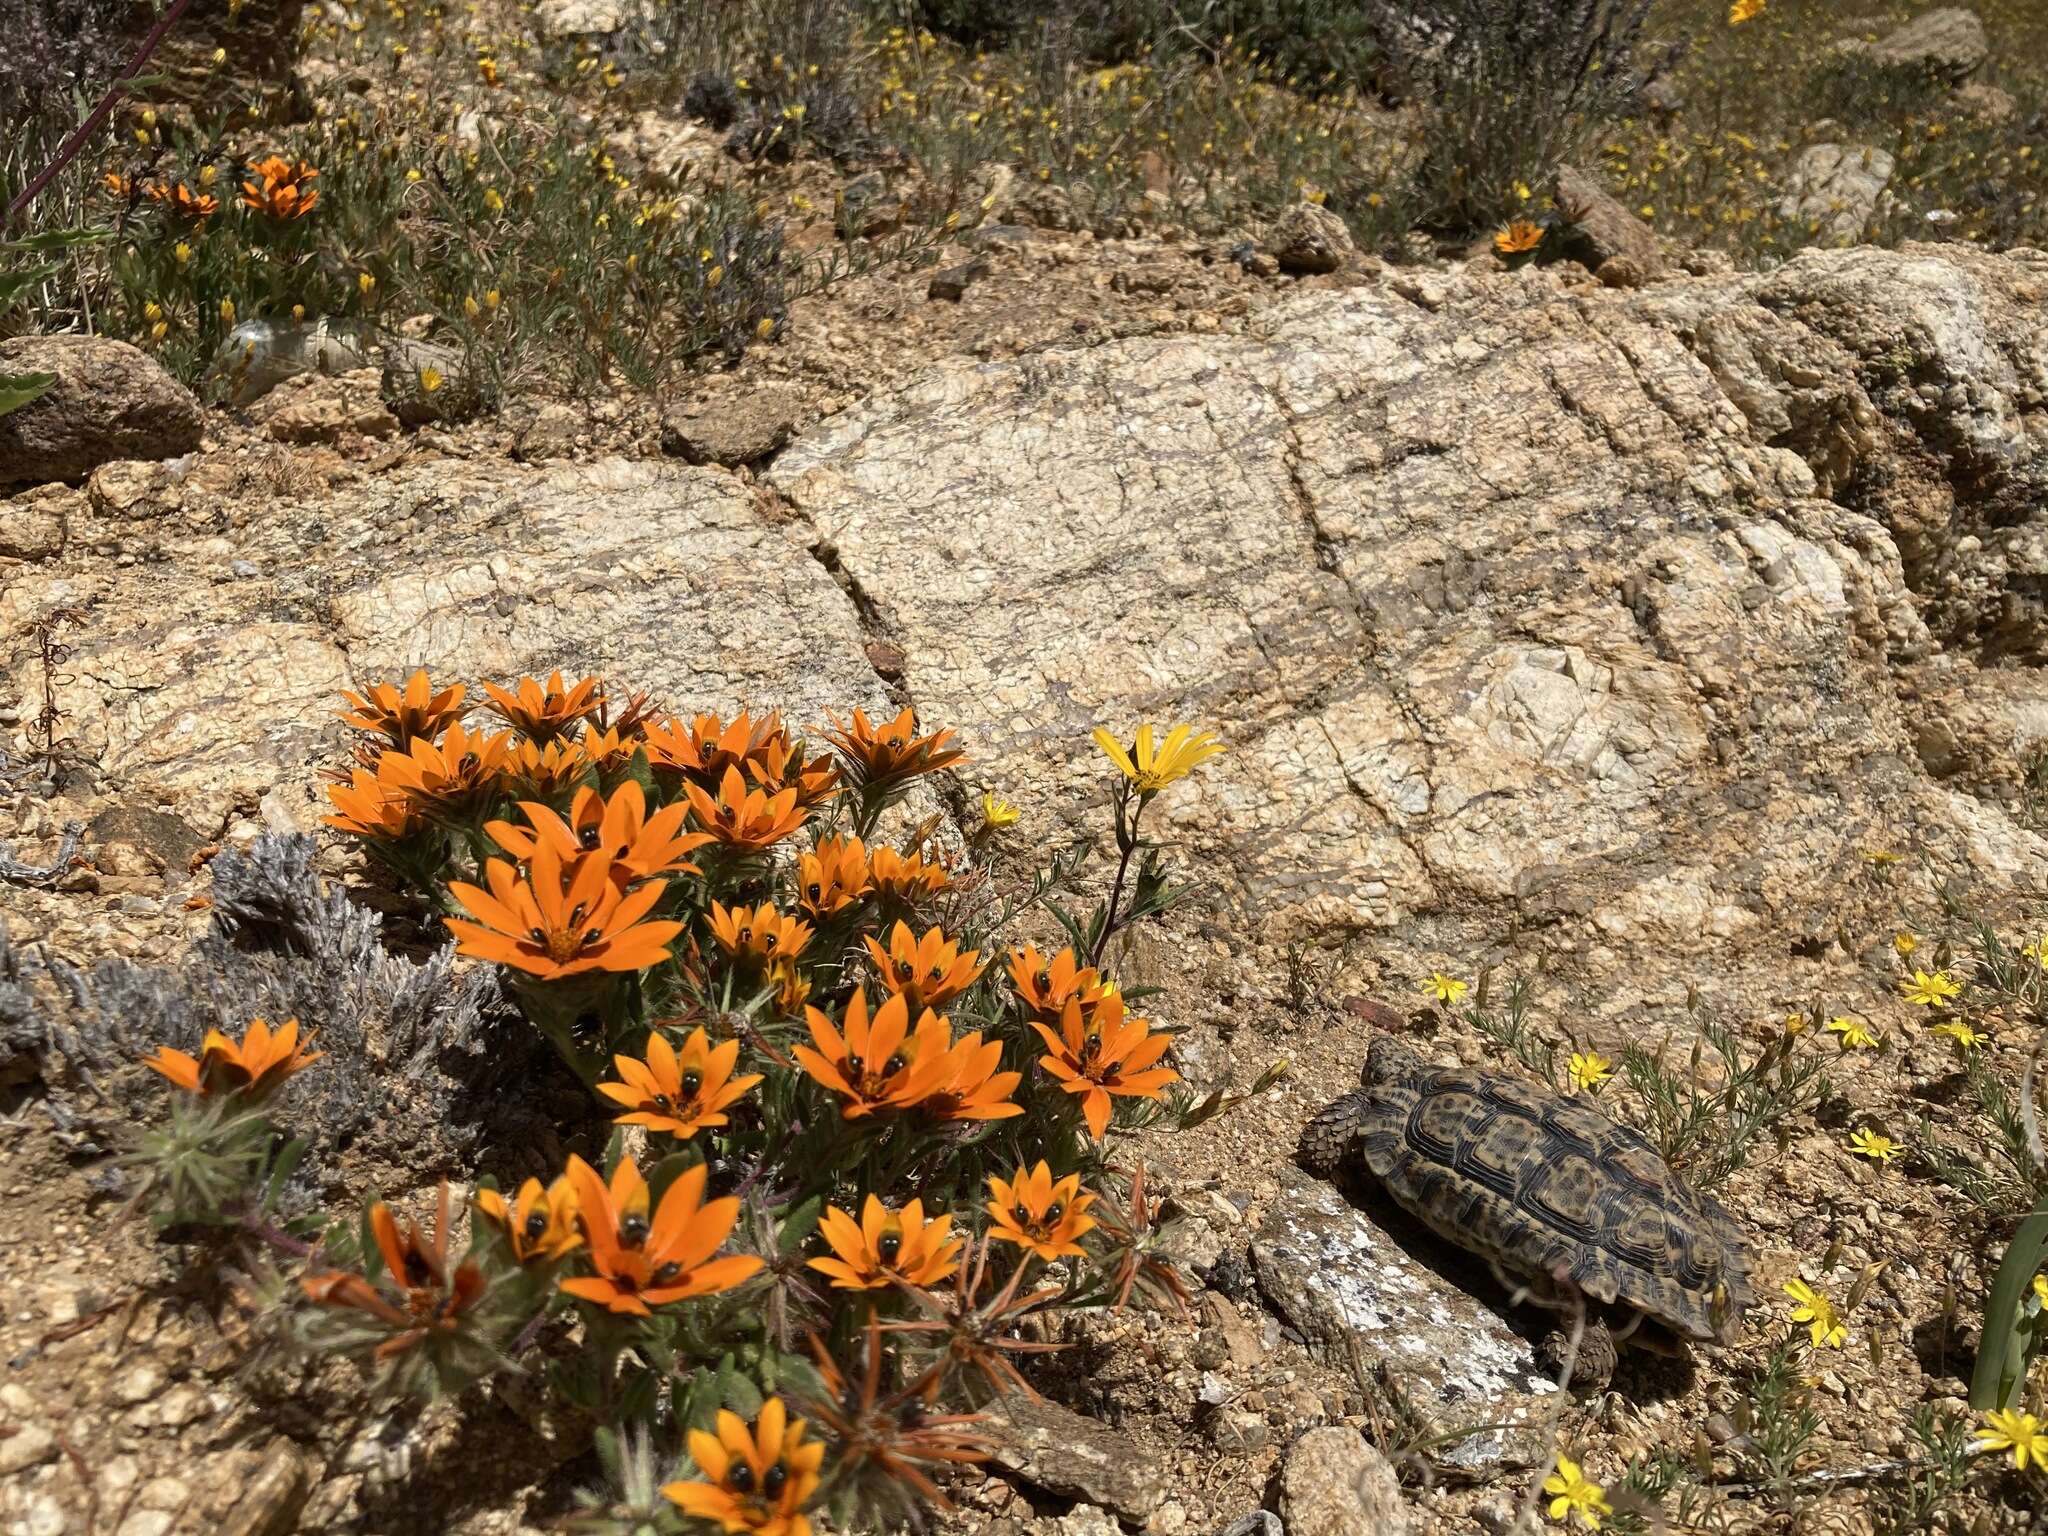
1601	633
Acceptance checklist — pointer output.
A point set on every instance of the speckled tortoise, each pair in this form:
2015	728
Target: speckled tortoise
1549	1189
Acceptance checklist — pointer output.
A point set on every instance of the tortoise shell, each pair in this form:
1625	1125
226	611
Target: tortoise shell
1543	1184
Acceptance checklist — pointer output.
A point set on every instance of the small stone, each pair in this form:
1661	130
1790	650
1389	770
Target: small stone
560	20
1239	1431
147	1522
29	532
28	1445
1601	229
108	401
1192	1243
1334	1484
272	1495
1495	1515
1986	102
1087	1520
1310	238
17	1399
155	842
1260	1522
951	283
140	1384
886	658
551	434
313	408
45	1517
1947	43
1620	272
1836	186
865	207
1064	1453
732	429
1353	1293
123	488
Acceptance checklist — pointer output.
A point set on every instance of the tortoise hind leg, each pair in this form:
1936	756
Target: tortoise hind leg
1328	1141
1593	1369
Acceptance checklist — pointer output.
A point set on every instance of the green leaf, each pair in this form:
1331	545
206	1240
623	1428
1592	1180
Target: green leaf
14	284
288	1159
18	389
2006	1340
798	1225
55	240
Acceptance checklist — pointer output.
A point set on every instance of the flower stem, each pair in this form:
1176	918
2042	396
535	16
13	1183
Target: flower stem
1127	840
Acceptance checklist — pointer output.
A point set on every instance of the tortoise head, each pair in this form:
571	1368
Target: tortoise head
1388	1061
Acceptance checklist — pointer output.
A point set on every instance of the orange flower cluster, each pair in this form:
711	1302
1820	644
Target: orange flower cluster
1093	1048
881	1064
640	1262
926	972
183	200
761	752
281	189
561	918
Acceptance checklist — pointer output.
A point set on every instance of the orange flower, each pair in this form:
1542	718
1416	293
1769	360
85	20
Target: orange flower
887	754
707	746
873	1066
1104	1053
973	1088
560	920
280	188
1518	237
262	1061
679	1092
452	774
1038	1215
781	764
1045	987
405	716
434	1294
906	878
743	818
185	202
929	972
755	1483
117	185
641	1264
639	846
791	987
539	1222
365	807
546	771
608	750
545	711
832	876
756	938
886	1246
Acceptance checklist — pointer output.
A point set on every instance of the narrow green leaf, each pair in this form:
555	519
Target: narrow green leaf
2003	1345
18	389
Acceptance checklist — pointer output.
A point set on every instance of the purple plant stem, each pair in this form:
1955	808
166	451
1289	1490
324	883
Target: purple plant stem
68	150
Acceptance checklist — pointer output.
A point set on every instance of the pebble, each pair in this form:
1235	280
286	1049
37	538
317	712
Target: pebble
140	1384
28	1445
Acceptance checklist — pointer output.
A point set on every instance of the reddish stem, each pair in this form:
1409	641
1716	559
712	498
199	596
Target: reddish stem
68	150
